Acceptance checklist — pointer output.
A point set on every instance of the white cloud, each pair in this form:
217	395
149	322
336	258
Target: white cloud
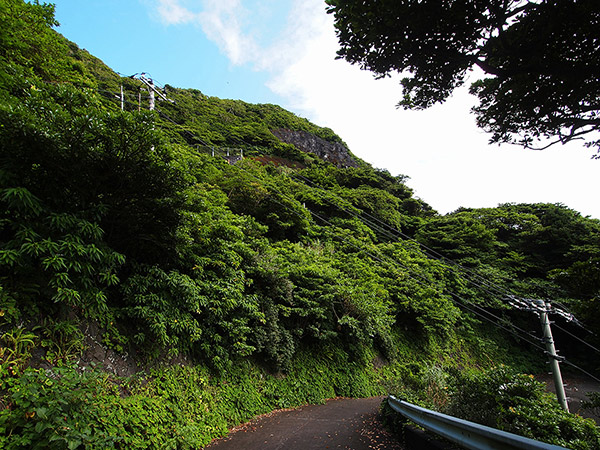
221	21
172	13
445	155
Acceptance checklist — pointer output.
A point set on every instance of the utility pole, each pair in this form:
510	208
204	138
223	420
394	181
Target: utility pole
151	89
122	99
151	92
553	358
542	309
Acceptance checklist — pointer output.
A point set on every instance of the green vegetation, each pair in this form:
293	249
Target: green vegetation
501	398
171	408
517	403
272	282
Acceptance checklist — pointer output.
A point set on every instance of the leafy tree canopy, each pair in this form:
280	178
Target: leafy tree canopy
540	58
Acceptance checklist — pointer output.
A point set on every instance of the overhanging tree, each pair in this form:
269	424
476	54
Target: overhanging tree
540	60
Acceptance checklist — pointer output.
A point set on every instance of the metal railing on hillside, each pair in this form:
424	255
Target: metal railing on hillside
467	434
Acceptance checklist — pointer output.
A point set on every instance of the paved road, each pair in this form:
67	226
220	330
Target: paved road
576	388
339	424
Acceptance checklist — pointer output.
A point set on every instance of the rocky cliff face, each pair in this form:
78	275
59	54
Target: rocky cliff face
334	152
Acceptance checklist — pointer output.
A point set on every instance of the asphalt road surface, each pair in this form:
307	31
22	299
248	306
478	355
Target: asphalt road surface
339	424
577	389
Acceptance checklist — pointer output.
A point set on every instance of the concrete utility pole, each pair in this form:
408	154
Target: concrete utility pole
151	89
151	92
542	308
122	99
553	358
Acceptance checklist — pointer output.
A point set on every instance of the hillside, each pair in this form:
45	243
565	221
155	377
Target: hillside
232	258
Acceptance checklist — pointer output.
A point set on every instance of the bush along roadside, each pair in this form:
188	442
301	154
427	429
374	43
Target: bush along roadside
501	398
179	407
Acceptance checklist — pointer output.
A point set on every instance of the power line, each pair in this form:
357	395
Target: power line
481	282
581	370
529	303
430	282
461	303
395	234
389	231
432	253
425	282
577	338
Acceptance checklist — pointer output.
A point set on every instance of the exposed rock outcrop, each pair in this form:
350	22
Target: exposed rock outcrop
334	152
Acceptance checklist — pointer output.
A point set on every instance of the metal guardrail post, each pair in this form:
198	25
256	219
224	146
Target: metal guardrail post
468	434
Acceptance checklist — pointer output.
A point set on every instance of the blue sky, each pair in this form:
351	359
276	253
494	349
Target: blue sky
131	37
283	52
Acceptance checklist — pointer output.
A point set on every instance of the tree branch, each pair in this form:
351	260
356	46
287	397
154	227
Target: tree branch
562	139
520	9
487	68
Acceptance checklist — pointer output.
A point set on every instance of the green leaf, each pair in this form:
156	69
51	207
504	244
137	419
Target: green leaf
9	257
73	444
22	200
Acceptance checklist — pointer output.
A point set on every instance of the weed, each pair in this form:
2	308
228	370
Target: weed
15	352
63	341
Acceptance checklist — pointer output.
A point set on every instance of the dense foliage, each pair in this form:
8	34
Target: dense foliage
170	408
501	398
536	250
278	279
517	403
540	60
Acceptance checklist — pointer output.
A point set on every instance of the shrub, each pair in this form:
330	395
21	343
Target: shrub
517	403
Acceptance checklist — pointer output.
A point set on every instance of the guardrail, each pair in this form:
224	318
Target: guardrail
468	434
